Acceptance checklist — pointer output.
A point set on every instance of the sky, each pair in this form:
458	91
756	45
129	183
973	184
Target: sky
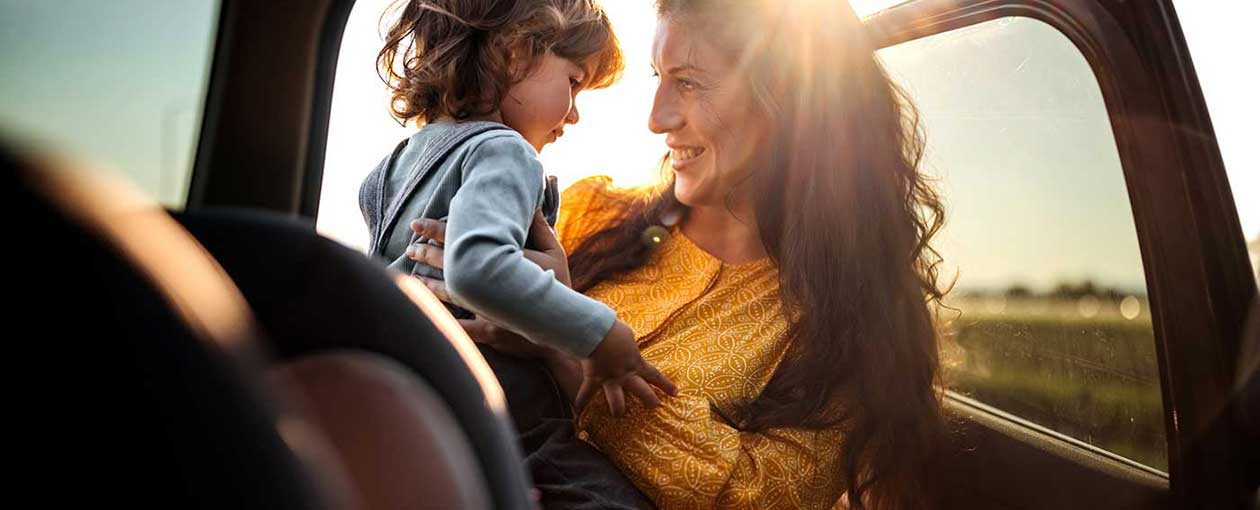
1027	166
1021	145
120	83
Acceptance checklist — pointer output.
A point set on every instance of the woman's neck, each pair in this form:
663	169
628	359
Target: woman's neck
732	238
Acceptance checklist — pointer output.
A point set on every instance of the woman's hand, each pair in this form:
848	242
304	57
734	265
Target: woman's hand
564	368
430	254
542	248
504	341
549	254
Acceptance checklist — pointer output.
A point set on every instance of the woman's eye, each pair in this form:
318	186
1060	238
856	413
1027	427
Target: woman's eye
575	83
686	84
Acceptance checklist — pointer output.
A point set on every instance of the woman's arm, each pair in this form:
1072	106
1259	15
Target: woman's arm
545	251
564	368
541	247
683	454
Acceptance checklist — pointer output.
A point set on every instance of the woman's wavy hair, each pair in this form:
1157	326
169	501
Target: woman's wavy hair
846	215
458	58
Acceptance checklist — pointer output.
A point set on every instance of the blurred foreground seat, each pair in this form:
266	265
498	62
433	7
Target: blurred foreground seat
235	361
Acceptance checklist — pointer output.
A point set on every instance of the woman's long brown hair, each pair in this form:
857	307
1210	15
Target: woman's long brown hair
847	217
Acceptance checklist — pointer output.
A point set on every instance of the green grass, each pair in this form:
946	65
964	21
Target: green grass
1095	379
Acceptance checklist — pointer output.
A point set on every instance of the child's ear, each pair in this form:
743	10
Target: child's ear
517	66
520	60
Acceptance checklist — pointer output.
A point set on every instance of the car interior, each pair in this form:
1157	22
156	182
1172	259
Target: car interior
214	348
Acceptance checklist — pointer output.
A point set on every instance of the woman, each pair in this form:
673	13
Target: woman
781	277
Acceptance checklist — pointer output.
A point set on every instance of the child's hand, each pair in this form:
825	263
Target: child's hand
617	367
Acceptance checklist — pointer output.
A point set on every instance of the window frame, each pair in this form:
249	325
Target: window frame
979	404
1194	256
265	126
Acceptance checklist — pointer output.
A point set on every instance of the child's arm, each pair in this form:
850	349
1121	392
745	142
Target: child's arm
615	366
485	267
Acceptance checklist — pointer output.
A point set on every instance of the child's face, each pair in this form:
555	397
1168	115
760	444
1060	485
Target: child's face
539	106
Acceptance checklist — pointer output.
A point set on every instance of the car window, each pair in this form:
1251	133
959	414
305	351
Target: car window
119	83
869	7
1214	37
1049	319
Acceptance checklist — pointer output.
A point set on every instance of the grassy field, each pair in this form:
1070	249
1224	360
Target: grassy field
1083	367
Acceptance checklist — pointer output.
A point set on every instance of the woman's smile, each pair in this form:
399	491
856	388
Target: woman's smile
707	110
681	157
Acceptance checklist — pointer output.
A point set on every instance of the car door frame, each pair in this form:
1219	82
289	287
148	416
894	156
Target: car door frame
265	127
1193	252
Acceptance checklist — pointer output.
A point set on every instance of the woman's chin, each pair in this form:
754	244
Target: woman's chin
690	196
697	183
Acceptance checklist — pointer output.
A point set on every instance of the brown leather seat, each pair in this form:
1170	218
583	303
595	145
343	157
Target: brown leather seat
312	296
398	441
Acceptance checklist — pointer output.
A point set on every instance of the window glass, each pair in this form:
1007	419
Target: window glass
119	83
869	7
1049	319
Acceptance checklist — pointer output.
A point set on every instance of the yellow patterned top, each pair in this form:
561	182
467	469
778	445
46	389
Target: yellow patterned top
718	331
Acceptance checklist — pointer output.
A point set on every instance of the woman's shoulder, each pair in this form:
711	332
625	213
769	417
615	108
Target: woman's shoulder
590	205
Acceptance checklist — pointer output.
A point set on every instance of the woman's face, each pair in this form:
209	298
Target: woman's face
705	108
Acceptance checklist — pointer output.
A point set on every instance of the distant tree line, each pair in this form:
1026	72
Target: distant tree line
1062	290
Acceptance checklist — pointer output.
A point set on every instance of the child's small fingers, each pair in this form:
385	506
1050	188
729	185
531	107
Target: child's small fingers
640	389
656	378
616	399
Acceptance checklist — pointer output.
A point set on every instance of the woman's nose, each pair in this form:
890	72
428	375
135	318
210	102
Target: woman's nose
573	116
666	115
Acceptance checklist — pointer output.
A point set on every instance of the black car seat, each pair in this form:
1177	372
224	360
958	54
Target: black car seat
147	394
312	296
155	381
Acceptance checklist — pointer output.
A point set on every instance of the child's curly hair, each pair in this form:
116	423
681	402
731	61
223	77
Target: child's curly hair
455	57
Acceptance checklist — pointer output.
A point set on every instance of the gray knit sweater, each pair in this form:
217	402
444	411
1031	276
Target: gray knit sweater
487	187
